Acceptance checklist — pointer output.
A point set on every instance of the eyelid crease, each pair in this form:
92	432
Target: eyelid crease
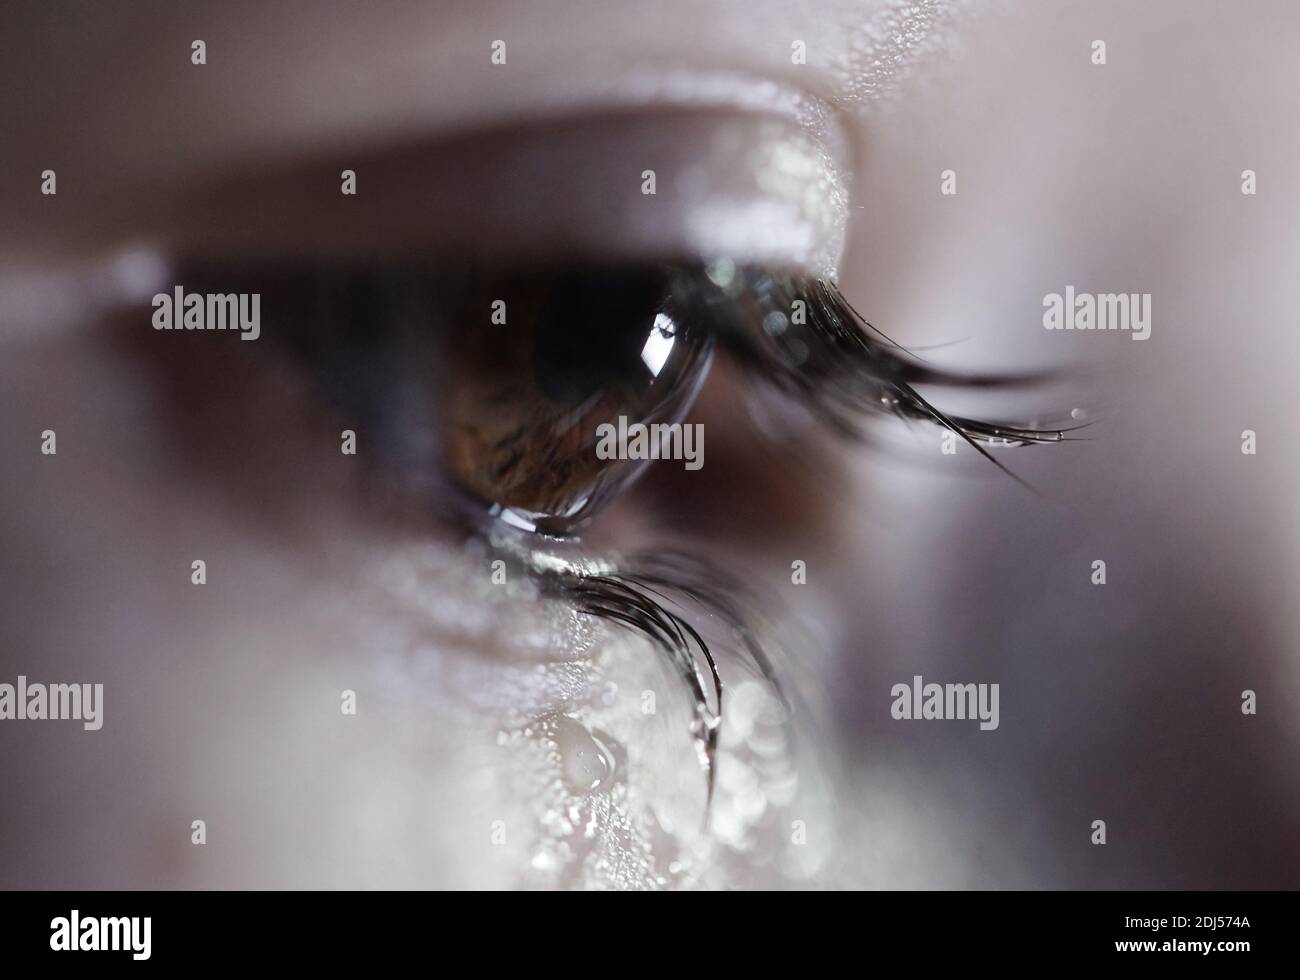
650	184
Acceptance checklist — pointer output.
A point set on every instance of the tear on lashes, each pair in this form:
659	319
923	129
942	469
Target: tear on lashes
799	334
637	593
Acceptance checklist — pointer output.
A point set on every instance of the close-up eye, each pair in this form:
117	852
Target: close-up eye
611	447
541	392
507	381
526	409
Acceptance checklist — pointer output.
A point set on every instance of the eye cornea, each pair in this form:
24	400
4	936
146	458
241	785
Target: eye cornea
583	349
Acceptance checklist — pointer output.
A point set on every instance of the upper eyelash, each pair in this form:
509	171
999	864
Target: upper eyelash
846	369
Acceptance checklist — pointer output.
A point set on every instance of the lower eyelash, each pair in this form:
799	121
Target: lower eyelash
636	593
619	597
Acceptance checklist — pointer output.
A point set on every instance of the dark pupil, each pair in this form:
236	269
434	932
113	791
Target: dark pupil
591	331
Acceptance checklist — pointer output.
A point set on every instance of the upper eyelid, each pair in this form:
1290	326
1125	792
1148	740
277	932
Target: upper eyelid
758	187
279	82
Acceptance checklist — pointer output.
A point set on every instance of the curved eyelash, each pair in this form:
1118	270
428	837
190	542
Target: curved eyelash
619	597
637	594
811	344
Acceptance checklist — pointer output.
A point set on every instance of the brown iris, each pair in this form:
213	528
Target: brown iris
523	400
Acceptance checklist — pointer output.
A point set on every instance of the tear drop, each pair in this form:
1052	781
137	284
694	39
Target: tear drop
586	762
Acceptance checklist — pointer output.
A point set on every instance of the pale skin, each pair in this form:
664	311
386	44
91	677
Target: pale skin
483	714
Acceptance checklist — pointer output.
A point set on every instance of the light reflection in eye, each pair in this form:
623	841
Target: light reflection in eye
659	344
